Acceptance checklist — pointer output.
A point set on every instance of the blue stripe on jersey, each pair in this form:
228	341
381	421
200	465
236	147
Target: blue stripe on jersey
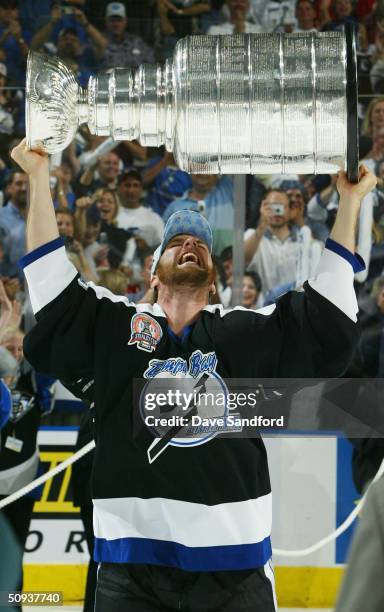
197	559
42	250
356	261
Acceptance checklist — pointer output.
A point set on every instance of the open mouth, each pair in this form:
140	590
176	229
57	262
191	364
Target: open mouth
188	259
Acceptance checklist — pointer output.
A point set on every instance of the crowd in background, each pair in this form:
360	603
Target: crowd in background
113	199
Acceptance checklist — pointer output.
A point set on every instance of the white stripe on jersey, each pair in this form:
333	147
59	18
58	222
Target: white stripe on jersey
236	523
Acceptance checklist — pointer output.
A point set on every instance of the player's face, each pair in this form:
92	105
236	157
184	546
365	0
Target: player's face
186	261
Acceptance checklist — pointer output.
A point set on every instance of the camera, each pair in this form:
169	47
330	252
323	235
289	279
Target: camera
277	209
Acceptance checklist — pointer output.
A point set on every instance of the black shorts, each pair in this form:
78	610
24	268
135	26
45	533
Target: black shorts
122	587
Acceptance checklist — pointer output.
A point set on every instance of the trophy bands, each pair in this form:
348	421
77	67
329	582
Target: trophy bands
248	103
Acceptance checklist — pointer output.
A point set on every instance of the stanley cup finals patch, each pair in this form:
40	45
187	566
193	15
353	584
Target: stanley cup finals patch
146	332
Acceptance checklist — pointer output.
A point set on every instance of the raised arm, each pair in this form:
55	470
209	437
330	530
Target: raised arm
351	195
41	220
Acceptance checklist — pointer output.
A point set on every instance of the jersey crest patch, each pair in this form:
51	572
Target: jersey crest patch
146	332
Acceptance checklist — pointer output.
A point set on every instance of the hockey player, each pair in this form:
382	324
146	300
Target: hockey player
182	525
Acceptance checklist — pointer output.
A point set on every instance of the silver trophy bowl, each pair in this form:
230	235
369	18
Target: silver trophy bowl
53	103
248	103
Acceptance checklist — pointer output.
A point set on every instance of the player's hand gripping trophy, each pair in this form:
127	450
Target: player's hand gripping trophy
248	103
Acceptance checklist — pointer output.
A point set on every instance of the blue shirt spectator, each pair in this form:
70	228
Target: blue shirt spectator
78	43
5	403
167	182
212	196
12	224
14	41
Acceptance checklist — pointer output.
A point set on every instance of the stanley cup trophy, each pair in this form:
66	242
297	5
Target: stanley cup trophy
247	103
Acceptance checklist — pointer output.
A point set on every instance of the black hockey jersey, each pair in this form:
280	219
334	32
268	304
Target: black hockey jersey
198	506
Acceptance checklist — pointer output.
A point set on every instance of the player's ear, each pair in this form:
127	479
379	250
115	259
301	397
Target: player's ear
154	281
212	291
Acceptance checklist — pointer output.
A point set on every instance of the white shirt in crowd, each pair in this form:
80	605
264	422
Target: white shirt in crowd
276	261
150	225
228	28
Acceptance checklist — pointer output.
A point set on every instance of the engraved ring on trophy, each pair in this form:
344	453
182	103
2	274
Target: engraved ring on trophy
247	103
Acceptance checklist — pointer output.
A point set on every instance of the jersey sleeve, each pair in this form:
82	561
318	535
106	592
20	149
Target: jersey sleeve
70	314
310	333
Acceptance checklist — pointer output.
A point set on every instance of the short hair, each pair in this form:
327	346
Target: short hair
130	174
226	254
146	252
12	174
64	211
275	190
255	278
308	1
68	30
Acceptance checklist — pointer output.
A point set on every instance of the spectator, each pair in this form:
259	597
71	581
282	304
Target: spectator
114	280
123	50
251	290
74	248
19	456
344	13
165	181
63	196
176	20
107	205
377	70
78	56
306	16
14	40
146	224
322	209
374	116
371	346
111	236
12	223
103	173
82	50
237	22
271	249
376	154
145	294
211	195
7	123
34	13
224	267
5	394
94	252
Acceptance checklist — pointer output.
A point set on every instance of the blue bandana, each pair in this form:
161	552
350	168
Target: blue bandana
184	222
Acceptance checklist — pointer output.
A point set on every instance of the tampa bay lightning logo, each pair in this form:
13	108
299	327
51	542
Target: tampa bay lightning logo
179	396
